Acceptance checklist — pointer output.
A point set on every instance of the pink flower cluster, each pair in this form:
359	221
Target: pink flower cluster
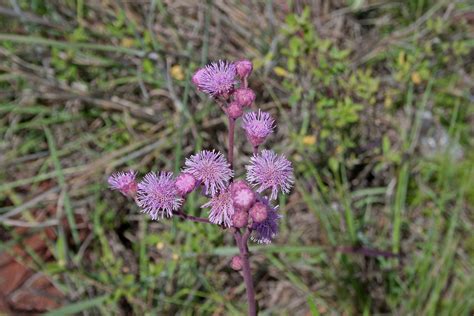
232	203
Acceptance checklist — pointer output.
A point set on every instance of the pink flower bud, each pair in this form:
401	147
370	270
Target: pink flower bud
244	68
240	219
244	96
236	263
243	198
124	182
259	212
185	183
238	184
198	77
234	110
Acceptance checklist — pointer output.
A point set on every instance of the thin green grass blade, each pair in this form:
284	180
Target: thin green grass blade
78	307
62	185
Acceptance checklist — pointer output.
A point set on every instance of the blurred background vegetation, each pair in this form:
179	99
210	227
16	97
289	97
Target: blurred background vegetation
374	104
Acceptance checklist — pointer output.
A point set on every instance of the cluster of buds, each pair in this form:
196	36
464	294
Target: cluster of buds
239	203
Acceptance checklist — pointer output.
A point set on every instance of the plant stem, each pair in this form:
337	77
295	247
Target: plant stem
230	153
191	218
242	242
246	273
255	150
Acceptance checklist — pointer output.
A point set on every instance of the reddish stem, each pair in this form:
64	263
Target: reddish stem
242	240
185	216
230	154
255	150
246	273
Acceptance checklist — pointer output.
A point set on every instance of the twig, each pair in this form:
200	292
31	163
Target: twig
185	216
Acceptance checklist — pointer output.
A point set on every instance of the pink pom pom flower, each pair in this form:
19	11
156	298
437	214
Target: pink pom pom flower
216	79
264	232
268	170
211	169
222	209
124	182
257	126
157	195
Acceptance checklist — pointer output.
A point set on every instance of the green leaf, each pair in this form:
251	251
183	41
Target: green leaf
78	307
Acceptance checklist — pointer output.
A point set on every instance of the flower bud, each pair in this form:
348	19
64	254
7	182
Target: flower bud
234	110
243	198
125	182
240	219
244	96
244	68
185	183
238	184
236	263
198	77
258	212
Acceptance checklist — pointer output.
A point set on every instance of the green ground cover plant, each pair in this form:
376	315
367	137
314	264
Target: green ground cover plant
375	100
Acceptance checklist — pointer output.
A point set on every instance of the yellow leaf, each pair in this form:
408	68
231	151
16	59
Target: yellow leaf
177	72
281	72
309	140
127	42
401	58
388	101
416	78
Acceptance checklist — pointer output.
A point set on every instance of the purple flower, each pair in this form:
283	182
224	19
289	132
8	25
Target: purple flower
222	208
157	195
257	125
211	169
124	182
264	232
270	171
216	79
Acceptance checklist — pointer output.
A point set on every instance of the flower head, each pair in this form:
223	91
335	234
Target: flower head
211	169
216	79
124	182
235	110
222	208
244	68
244	96
259	212
236	263
257	126
185	183
240	219
270	171
157	195
264	232
243	198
